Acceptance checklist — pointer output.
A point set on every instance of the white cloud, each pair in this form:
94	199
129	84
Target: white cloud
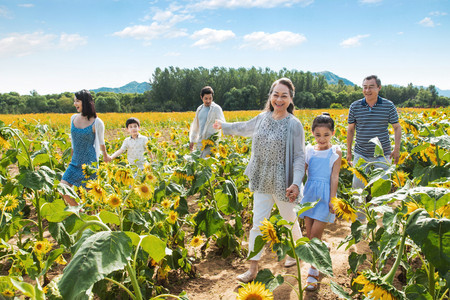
438	13
173	54
150	32
26	5
4	13
276	41
353	41
215	4
71	41
208	37
427	22
25	44
370	1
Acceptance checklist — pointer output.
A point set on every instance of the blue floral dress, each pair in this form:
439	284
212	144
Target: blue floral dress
83	153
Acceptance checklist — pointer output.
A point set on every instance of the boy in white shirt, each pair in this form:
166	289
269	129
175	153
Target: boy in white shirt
135	144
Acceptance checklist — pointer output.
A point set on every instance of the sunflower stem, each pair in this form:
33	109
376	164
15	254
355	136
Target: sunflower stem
389	278
299	274
122	286
90	223
431	283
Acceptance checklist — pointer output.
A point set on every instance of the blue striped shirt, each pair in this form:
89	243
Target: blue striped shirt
372	122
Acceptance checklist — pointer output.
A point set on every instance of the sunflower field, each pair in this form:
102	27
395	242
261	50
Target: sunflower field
133	228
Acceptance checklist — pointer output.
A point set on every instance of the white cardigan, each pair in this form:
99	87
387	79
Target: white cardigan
99	134
195	136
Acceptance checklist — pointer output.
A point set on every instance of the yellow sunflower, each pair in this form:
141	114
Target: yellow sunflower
172	136
164	144
244	149
412	206
444	211
254	291
223	151
171	156
157	134
223	163
150	177
343	209
358	175
176	202
8	293
61	260
173	216
196	241
114	200
42	247
144	191
166	203
402	157
213	150
344	163
96	189
269	233
4	143
376	288
400	178
9	202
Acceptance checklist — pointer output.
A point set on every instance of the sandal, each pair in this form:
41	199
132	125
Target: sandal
246	277
311	282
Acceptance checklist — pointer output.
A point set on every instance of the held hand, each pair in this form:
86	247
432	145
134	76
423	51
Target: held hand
217	124
396	155
331	208
349	158
107	158
292	192
191	146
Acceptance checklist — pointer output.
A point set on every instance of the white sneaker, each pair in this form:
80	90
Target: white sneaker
290	261
246	277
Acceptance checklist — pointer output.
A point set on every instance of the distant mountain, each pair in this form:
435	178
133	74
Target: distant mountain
130	88
445	93
332	78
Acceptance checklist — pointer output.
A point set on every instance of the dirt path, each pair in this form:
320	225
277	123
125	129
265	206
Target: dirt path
217	276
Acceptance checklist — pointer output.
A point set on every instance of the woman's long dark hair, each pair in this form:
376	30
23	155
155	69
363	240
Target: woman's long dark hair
88	106
287	82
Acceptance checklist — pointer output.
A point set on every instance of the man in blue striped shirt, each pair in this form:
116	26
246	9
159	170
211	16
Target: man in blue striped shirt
370	117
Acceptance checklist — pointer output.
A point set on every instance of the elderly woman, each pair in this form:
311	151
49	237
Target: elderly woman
277	163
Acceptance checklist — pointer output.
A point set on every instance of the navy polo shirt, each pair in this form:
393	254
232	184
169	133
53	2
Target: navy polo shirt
372	122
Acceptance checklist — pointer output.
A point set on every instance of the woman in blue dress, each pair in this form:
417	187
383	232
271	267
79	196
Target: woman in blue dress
87	133
323	162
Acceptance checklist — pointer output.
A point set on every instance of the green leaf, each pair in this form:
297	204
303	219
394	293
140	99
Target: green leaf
10	230
98	256
154	246
259	244
315	252
338	290
230	189
433	237
51	259
269	280
109	217
201	178
355	260
26	288
419	148
442	141
417	292
302	207
378	147
55	211
64	189
39	179
208	221
381	187
135	238
223	202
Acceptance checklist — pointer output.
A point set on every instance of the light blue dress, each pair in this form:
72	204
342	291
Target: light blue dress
83	153
318	187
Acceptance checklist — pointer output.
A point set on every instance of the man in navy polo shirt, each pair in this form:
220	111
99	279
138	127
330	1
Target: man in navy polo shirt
370	117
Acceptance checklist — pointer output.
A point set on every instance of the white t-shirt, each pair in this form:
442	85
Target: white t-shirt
309	152
135	150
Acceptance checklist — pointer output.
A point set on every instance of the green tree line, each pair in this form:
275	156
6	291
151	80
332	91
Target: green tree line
176	89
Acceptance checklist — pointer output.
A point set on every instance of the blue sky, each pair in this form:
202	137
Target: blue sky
53	46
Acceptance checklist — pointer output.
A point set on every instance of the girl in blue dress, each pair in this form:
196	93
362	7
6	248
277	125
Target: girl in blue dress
87	133
323	162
